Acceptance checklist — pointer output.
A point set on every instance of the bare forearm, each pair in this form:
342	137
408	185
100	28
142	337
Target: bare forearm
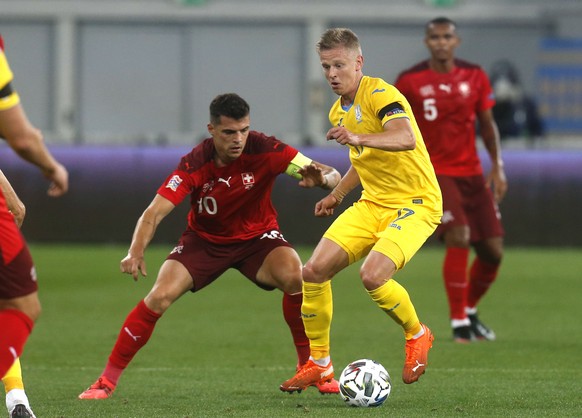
142	236
36	153
492	144
349	182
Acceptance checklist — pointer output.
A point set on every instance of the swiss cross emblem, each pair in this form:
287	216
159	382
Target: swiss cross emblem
248	180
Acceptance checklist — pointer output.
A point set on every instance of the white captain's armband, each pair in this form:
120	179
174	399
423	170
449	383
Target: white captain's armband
296	164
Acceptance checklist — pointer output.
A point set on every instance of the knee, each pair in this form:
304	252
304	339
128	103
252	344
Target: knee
36	311
371	280
494	256
490	251
458	237
28	305
158	302
292	281
313	273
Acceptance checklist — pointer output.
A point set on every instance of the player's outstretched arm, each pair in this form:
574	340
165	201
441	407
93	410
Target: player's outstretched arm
15	205
28	143
320	175
145	230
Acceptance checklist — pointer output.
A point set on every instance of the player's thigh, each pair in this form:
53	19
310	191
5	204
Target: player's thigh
405	233
453	209
281	269
270	262
354	230
172	282
18	276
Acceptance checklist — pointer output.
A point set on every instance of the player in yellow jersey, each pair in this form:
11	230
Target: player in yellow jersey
400	207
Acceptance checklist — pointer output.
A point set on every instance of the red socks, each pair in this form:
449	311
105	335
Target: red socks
16	327
482	275
135	333
455	277
292	315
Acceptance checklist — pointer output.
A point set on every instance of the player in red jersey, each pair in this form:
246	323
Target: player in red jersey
19	303
231	224
448	96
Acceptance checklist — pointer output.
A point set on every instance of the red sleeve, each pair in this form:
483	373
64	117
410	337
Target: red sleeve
176	187
1	43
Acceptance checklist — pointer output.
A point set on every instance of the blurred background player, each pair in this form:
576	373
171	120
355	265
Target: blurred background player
448	96
515	111
232	224
19	303
400	207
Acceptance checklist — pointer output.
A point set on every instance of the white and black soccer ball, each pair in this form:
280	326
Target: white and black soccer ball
365	383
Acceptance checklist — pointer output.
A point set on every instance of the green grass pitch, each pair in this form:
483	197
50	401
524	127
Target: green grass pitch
224	351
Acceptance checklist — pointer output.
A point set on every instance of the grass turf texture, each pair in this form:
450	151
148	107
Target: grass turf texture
224	351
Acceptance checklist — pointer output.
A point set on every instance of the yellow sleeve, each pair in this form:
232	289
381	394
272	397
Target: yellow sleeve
10	99
297	163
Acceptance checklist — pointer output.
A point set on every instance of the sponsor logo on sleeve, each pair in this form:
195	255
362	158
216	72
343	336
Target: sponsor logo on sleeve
174	182
394	112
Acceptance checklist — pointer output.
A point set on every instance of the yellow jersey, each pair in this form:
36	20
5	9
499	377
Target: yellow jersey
388	178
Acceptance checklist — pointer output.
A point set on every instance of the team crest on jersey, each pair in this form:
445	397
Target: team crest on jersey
427	90
248	180
358	112
174	183
465	89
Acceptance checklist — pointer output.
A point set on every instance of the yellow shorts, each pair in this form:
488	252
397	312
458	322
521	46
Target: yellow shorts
398	233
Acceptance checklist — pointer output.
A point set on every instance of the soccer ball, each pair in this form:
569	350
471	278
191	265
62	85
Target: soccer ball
365	383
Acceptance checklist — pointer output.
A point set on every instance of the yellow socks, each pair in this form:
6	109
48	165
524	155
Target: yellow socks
317	311
13	378
393	299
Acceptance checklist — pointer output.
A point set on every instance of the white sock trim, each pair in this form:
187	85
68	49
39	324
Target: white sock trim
456	323
323	362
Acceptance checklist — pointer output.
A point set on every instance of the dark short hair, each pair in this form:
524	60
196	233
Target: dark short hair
230	105
441	20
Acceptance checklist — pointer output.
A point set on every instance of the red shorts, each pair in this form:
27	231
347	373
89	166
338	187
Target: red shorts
18	277
468	201
206	261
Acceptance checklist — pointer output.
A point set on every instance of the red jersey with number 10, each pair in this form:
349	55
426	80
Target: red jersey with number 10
445	107
232	203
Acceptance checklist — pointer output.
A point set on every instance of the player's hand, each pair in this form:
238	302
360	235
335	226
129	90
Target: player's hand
498	182
342	136
326	206
312	176
59	177
134	266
